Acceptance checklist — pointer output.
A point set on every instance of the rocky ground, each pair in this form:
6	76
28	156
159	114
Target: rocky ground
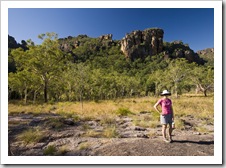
67	137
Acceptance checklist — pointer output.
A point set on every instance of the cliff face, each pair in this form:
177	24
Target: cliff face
139	44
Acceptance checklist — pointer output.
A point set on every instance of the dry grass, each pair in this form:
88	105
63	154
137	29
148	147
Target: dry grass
106	111
31	136
84	146
92	133
110	132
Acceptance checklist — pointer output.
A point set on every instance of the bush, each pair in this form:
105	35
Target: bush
123	111
110	132
50	150
31	136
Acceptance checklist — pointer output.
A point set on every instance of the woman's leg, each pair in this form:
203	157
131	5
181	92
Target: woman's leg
170	131
164	126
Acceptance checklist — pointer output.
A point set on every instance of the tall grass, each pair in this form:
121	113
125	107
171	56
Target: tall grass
106	111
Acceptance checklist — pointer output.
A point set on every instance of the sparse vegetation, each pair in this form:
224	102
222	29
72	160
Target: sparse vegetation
50	151
92	133
31	136
54	123
63	150
201	129
179	124
123	112
105	111
84	146
100	120
110	132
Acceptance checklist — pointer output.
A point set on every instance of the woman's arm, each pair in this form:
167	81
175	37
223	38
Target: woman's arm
155	106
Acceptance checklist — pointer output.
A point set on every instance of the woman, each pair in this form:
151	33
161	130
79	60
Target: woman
166	114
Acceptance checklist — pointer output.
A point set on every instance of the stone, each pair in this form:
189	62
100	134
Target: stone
196	133
140	129
142	136
69	121
34	122
140	44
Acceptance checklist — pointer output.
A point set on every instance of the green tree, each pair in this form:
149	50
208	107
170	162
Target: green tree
177	73
25	83
46	60
158	78
203	78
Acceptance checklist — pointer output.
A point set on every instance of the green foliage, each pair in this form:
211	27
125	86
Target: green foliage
31	136
123	112
50	151
94	69
54	123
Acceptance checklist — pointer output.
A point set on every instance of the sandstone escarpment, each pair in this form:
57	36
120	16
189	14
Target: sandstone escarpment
106	37
139	44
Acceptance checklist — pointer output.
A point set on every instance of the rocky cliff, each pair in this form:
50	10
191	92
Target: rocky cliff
207	54
136	44
139	44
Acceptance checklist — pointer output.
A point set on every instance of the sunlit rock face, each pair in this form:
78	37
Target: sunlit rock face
140	44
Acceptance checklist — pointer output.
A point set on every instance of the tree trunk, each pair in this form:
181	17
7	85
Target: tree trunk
81	100
205	92
176	92
45	91
25	96
34	98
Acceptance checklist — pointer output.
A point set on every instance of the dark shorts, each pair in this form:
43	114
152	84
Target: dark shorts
166	119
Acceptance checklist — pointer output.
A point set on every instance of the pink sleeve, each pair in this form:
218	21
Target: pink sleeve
159	101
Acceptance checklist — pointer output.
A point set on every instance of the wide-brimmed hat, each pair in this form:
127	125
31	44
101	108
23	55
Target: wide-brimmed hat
165	92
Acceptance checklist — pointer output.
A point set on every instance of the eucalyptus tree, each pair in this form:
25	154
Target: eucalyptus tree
178	72
203	78
46	60
158	79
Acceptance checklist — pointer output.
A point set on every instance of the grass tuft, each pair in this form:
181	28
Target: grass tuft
110	132
84	146
123	112
50	151
31	136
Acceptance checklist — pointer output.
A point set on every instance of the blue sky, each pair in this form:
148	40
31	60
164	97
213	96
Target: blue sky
194	26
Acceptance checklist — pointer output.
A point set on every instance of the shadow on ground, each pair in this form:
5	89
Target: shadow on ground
194	142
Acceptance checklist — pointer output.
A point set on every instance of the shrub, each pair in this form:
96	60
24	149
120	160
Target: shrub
110	132
55	123
123	112
84	146
31	136
63	150
107	119
50	150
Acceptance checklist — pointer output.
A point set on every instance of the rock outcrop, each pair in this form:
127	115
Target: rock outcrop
106	37
207	54
205	51
139	44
